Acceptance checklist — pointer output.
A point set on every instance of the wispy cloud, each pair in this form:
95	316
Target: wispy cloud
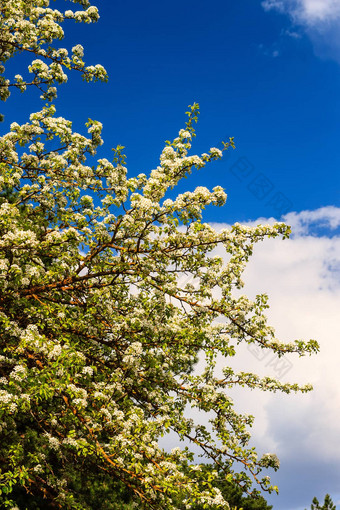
272	51
279	5
319	18
292	34
323	220
309	12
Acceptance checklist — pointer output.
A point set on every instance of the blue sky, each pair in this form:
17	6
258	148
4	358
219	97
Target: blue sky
253	72
267	73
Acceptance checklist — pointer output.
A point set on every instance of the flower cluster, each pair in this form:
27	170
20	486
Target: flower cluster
32	26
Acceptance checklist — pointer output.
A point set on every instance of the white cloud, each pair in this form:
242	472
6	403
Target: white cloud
320	19
302	278
309	12
301	275
313	11
325	218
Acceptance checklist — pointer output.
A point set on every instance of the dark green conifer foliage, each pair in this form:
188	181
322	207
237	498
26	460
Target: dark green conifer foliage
328	504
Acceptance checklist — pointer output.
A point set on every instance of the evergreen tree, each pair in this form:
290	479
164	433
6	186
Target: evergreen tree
327	505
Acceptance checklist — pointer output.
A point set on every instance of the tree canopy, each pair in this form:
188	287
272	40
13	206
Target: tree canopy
327	504
99	339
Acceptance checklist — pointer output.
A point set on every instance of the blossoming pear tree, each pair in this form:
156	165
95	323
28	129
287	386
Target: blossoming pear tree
99	339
